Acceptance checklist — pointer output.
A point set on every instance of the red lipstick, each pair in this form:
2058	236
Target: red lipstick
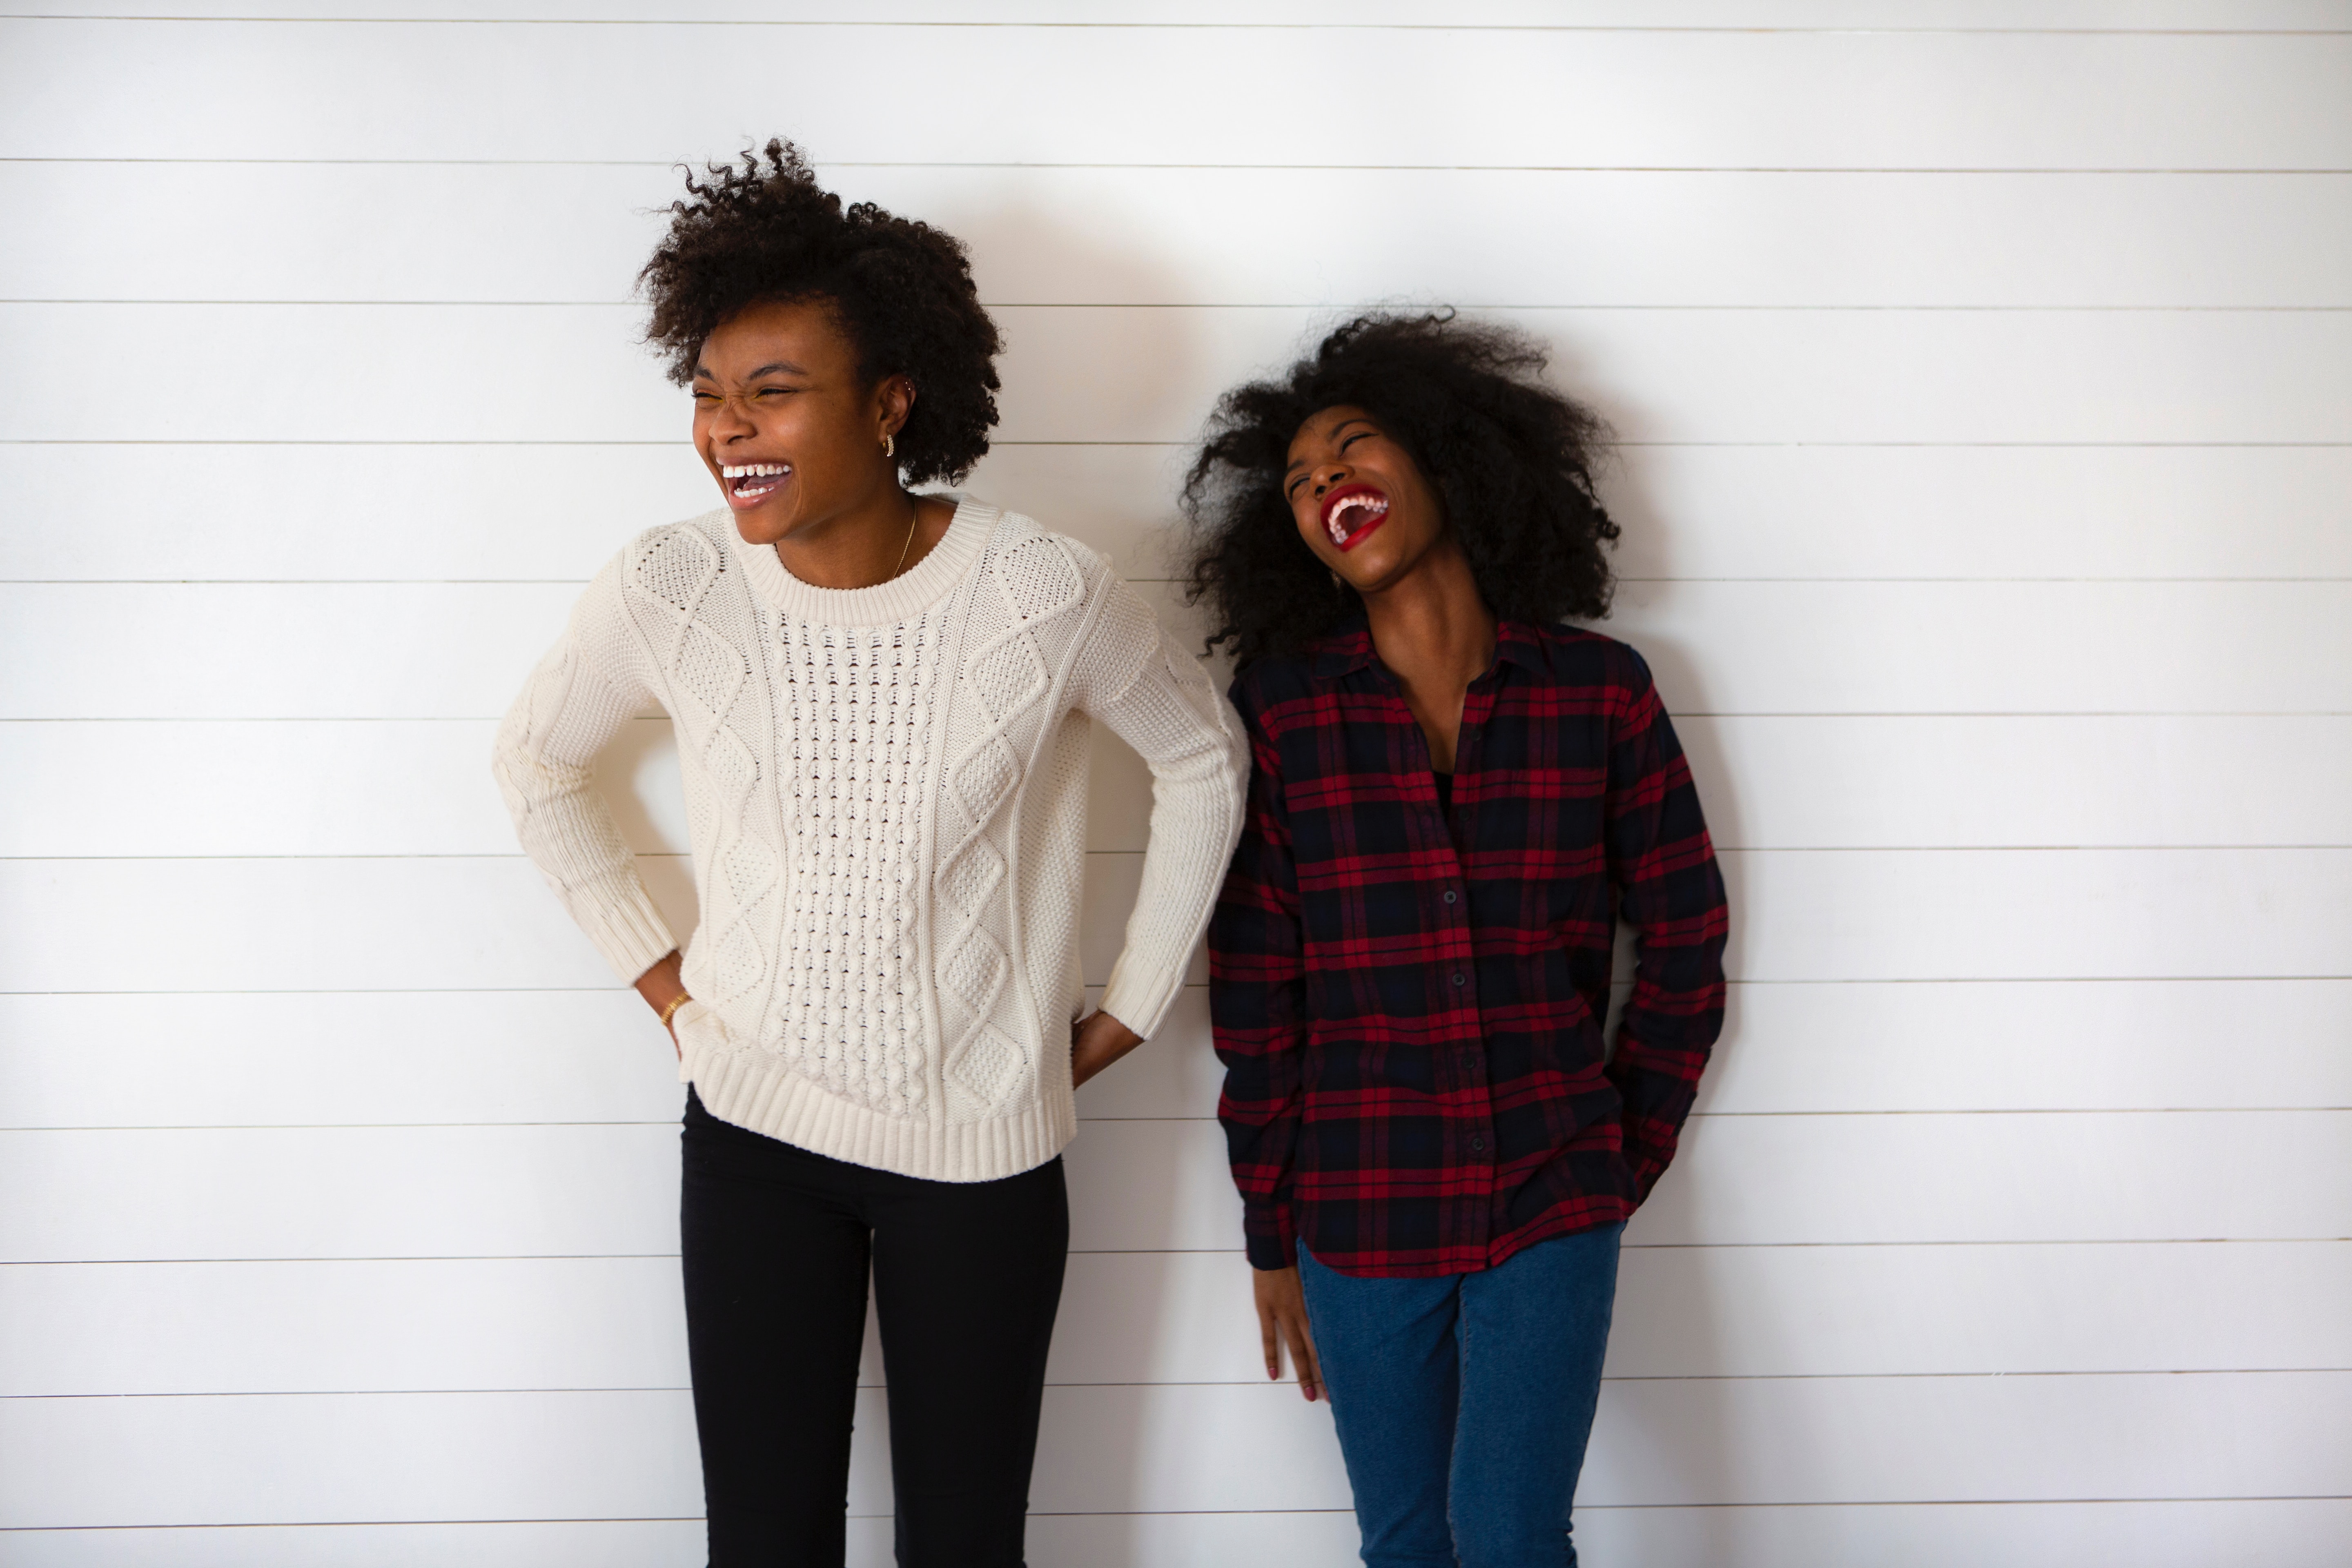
1352	511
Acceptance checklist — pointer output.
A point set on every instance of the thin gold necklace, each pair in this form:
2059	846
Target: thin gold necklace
914	515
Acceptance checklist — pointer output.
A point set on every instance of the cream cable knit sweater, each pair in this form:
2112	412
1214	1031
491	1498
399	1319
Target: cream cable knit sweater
885	792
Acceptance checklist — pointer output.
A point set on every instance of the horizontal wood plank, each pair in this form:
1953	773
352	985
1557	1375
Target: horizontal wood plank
251	512
444	651
421	787
399	924
1971	100
442	373
1072	236
2280	1532
2029	16
1119	1449
489	1324
569	1191
229	1059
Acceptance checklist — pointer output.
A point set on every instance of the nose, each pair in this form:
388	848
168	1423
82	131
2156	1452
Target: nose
730	421
1328	474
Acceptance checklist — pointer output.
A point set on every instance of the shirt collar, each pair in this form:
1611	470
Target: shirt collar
1347	648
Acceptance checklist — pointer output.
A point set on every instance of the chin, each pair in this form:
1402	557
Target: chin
757	528
1369	573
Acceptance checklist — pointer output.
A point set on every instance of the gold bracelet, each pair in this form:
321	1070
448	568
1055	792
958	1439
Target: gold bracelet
680	1000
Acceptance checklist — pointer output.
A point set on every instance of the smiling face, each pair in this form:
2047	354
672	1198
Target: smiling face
785	424
1360	500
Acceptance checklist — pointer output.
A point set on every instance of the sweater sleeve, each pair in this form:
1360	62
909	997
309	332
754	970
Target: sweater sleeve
1154	696
544	758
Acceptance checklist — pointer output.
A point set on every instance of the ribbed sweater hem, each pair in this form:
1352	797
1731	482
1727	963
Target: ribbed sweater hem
753	1090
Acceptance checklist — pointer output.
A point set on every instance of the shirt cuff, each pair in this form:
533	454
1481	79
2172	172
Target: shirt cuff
1267	1236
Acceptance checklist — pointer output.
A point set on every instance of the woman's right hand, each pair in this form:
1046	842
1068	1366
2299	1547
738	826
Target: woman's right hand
660	986
1282	1321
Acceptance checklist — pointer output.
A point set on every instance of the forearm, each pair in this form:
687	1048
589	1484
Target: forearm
663	984
1099	1040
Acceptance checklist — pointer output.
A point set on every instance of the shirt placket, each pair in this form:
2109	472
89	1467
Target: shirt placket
1471	1132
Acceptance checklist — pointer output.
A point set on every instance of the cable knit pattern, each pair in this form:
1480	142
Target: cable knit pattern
886	793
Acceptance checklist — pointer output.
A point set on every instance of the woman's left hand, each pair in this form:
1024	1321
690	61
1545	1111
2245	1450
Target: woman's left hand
1097	1041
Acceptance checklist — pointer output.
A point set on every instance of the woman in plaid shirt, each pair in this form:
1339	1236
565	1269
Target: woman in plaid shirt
1453	798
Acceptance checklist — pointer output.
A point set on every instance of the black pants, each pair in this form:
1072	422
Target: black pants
967	1275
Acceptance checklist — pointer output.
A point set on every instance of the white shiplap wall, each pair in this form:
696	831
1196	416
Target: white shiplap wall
1986	375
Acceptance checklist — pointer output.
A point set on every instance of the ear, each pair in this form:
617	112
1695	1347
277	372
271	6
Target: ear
895	401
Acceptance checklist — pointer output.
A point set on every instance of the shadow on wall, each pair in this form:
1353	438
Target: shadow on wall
1648	1450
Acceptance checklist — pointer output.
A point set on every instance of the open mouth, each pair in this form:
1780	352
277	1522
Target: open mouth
748	484
1352	511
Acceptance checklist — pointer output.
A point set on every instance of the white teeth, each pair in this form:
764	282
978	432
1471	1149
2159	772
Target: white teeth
1377	506
753	470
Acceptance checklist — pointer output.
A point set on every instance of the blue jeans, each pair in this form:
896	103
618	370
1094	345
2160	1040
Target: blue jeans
1464	1401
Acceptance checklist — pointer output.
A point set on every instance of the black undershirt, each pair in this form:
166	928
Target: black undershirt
1444	790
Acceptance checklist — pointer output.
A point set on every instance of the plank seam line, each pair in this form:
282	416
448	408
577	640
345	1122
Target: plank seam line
623	989
1202	1513
674	443
298	856
2115	170
870	24
1521	308
1189	1251
580	582
1624	985
1686	713
1179	1383
1084	1120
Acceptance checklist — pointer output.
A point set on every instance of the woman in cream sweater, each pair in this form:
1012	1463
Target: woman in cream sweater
882	706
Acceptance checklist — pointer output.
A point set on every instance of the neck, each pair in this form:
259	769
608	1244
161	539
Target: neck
862	544
1431	625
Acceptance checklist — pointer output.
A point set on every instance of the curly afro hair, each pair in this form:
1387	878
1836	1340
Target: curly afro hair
902	289
1511	461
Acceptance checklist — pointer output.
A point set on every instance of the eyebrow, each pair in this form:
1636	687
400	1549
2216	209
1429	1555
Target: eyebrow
702	372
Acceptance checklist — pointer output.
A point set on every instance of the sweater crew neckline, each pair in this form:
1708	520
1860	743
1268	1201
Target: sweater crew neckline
901	599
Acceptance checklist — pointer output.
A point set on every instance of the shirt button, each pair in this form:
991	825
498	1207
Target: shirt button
1478	1143
1457	977
1449	895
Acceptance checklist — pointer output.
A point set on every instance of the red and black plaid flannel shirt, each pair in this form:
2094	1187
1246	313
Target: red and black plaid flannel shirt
1415	1080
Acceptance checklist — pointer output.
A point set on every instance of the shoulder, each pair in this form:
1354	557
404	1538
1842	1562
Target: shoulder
1064	594
1592	675
1578	656
1277	692
1020	547
677	562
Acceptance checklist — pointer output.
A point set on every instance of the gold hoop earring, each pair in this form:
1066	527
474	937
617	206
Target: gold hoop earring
889	445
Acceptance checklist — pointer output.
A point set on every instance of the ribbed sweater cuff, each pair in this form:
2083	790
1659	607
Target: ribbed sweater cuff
630	934
1139	994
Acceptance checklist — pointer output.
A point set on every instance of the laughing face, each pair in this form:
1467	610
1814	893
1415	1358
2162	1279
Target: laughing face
1360	500
785	423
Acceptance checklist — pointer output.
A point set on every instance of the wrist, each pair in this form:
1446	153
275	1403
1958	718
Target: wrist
670	1010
